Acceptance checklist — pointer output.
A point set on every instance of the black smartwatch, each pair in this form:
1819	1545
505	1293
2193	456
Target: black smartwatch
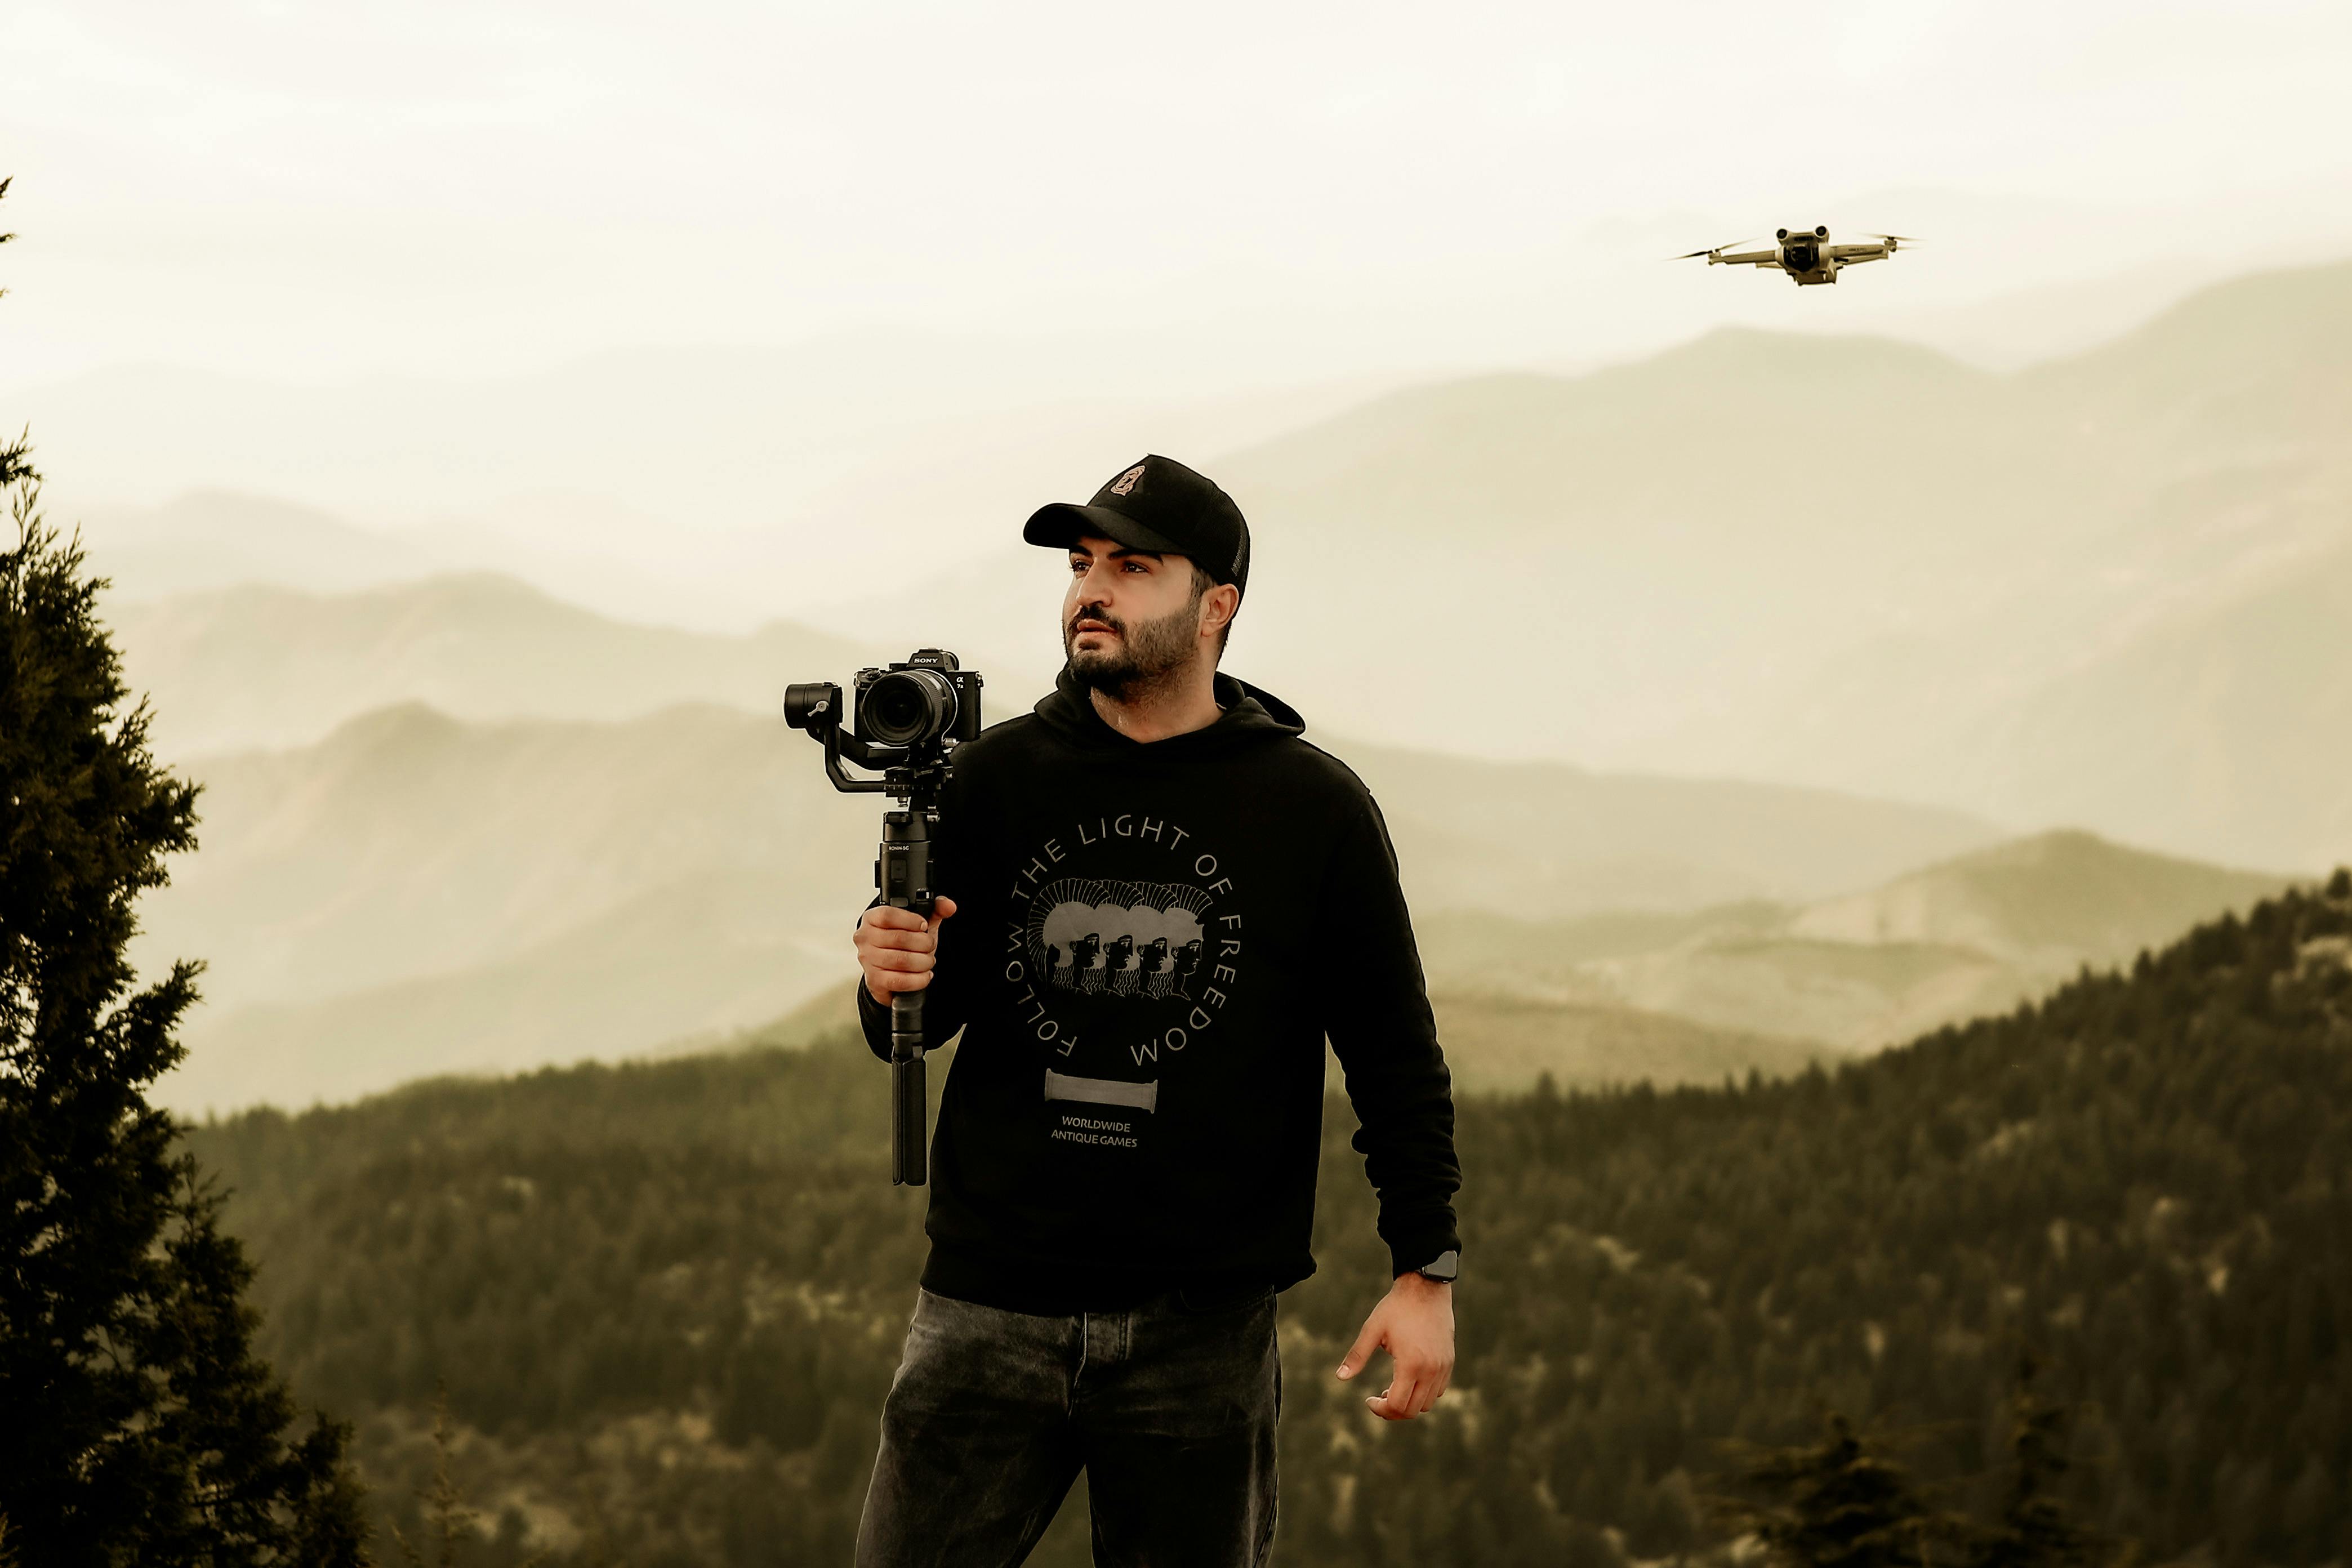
1443	1267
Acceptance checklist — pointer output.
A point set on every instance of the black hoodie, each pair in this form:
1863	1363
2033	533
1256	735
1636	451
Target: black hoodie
1152	942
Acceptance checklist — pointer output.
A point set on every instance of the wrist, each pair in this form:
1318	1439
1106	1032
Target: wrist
1422	1285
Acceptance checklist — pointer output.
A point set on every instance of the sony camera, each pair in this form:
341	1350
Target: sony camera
918	704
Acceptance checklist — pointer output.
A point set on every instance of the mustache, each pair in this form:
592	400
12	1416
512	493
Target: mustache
1091	614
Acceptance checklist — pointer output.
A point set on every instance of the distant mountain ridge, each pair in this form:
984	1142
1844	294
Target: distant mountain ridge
417	893
2057	901
1965	938
414	888
209	539
261	666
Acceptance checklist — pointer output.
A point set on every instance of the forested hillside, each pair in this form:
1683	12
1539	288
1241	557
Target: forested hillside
665	1298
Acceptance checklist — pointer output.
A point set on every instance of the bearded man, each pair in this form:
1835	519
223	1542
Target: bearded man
1140	887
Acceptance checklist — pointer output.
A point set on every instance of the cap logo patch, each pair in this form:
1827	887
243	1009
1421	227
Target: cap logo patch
1124	483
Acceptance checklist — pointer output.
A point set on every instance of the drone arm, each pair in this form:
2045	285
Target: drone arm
1746	258
1850	254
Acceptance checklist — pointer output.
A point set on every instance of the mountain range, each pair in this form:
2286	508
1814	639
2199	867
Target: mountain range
418	893
1695	996
259	666
2102	591
1966	938
1848	562
453	820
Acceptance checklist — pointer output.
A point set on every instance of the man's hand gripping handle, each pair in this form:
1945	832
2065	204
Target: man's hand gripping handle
898	945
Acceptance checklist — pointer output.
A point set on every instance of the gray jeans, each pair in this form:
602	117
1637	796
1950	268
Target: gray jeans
1169	1408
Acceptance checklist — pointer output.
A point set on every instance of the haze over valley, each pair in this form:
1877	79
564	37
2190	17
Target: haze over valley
1691	658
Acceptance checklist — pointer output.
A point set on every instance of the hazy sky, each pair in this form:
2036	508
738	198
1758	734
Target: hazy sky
322	190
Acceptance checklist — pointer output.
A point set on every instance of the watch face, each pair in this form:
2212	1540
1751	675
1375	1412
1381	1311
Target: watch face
1444	1267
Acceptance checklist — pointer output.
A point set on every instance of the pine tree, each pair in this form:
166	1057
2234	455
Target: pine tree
139	1425
449	1522
2035	1529
1843	1502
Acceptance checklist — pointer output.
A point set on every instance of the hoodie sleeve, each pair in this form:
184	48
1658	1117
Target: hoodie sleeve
1385	1035
946	1000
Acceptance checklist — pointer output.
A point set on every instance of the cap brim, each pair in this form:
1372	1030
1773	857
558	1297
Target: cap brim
1063	523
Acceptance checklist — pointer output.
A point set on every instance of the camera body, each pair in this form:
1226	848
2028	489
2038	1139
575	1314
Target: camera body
915	708
922	699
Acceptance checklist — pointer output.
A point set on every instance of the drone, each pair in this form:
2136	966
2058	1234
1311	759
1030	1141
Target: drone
1803	255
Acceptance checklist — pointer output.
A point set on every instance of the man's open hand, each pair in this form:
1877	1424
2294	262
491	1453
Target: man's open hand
1414	1323
897	947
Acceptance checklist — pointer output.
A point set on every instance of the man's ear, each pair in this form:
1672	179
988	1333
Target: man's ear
1223	597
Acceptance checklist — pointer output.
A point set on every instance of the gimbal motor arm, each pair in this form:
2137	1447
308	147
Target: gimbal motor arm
816	706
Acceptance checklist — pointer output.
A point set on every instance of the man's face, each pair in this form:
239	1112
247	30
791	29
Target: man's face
1131	617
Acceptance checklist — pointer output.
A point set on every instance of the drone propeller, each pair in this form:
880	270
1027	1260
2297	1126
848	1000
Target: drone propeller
1905	239
1695	255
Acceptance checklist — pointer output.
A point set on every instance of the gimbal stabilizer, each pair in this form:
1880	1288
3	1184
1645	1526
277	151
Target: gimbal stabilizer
908	720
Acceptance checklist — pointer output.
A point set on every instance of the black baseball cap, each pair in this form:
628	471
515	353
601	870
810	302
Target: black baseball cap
1158	505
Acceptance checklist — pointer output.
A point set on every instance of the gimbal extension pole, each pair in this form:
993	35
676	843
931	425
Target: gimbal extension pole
903	870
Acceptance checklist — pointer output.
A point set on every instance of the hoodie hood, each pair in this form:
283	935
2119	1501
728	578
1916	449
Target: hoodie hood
1251	717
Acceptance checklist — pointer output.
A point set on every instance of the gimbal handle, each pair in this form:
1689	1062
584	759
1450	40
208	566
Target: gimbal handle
903	870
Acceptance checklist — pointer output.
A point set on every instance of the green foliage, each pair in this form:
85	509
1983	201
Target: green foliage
666	1297
138	1425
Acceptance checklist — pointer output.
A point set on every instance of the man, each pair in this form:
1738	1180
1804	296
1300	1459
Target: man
1124	1169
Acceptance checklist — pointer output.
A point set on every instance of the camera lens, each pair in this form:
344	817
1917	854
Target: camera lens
907	708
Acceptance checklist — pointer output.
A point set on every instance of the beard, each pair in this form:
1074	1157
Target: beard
1147	654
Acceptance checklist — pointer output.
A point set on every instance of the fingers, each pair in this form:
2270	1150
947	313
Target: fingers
894	957
1401	1401
879	943
883	926
888	983
1412	1390
1409	1395
882	920
882	983
1418	1333
898	948
1361	1350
